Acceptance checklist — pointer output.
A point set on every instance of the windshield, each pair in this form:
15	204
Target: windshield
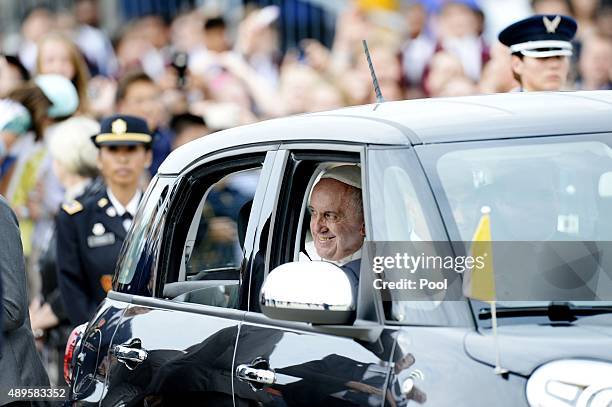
547	203
535	191
552	191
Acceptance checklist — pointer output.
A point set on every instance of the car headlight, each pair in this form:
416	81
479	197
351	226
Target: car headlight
571	383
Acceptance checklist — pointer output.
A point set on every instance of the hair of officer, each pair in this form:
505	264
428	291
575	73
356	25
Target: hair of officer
516	76
72	147
81	71
128	80
35	101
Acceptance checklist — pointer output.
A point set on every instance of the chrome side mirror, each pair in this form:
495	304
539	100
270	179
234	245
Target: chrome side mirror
318	292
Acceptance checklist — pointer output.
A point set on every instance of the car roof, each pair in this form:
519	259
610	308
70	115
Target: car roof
421	121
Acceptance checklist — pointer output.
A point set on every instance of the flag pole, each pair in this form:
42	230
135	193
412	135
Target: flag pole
481	286
498	369
486	210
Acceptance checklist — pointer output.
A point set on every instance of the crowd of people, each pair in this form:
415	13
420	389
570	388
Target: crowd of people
196	74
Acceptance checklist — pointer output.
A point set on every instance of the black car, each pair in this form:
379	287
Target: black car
213	302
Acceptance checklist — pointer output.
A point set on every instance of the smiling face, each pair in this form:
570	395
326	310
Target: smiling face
336	219
541	74
122	166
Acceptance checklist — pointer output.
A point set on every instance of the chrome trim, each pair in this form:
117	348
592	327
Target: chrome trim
308	285
571	382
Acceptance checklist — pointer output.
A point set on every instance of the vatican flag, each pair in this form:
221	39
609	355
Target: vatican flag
479	283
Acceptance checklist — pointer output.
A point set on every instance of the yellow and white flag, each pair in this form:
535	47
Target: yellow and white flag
479	283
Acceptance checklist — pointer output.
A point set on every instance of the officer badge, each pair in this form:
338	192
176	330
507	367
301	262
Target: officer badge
111	212
102	202
98	229
106	281
551	26
119	126
123	130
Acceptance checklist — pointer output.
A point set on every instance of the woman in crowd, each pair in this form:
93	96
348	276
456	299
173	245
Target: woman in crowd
57	54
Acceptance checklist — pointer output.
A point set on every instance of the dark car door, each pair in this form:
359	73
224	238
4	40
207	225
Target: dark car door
308	366
176	346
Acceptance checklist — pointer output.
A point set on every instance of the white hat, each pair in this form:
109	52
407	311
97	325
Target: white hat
347	174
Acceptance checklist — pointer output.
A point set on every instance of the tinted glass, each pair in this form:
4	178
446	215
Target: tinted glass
535	192
552	189
138	256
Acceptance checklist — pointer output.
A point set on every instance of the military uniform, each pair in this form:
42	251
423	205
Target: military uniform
90	235
90	232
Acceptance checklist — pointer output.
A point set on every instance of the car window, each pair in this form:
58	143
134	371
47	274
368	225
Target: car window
216	240
207	254
396	209
399	216
138	257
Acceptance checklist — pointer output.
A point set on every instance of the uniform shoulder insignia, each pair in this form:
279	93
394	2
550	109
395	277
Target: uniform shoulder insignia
72	207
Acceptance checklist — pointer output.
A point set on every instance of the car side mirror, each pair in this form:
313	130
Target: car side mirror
318	292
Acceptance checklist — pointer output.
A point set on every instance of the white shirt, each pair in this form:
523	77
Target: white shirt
130	208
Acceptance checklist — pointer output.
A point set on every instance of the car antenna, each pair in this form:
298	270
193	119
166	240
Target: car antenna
379	96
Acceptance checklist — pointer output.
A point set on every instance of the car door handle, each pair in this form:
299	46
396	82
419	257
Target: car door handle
123	353
130	354
252	374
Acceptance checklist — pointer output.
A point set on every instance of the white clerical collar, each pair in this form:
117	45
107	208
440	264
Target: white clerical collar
347	259
311	255
131	207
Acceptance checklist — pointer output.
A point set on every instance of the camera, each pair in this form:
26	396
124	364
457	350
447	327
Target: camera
179	63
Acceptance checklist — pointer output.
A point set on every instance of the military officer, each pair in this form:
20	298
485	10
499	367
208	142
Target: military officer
541	49
90	232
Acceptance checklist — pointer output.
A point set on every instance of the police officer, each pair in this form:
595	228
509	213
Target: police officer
541	48
90	232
